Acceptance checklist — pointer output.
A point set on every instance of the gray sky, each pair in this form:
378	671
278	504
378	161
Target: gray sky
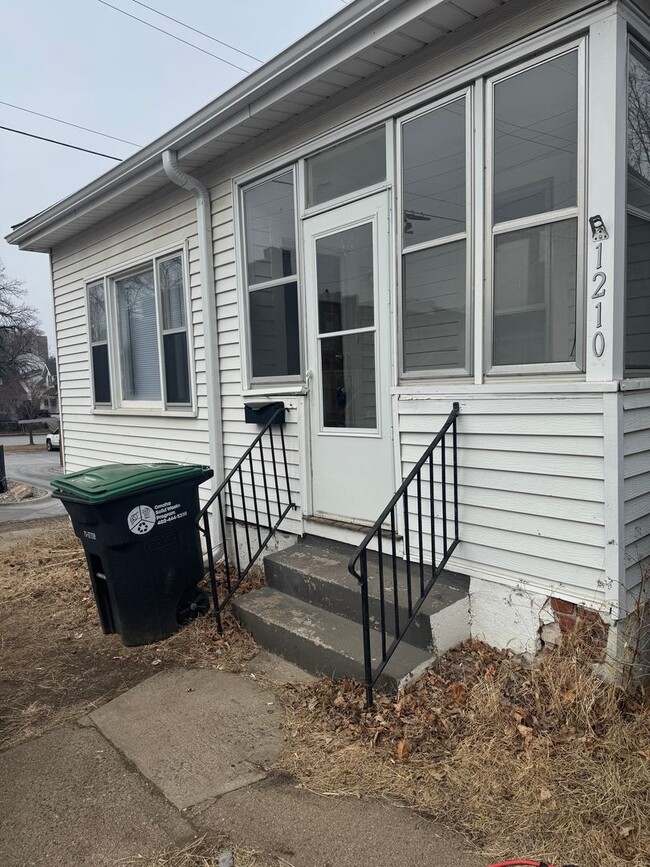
85	63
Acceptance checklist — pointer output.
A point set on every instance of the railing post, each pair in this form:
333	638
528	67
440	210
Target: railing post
365	620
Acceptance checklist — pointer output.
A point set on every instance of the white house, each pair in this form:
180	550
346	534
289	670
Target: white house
421	202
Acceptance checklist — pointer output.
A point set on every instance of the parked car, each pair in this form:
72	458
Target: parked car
52	441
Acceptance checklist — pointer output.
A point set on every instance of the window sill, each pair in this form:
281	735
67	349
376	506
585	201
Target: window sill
141	411
274	391
639	383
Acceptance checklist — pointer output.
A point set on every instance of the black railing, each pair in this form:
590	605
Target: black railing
260	480
408	575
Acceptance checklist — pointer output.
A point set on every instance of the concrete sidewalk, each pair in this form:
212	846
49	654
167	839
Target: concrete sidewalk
184	753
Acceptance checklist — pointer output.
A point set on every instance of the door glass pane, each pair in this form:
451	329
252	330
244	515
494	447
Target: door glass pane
434	174
536	139
434	308
535	294
637	295
638	130
344	267
136	307
97	312
348	381
352	165
274	328
170	273
270	229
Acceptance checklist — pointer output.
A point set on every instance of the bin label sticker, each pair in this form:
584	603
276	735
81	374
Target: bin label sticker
141	520
168	512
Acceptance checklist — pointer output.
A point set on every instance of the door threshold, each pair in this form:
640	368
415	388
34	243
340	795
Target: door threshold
350	532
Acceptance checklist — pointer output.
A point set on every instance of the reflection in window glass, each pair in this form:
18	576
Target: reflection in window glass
433	308
352	165
535	294
138	331
638	130
637	296
344	265
97	312
274	331
348	381
536	139
270	230
433	179
172	295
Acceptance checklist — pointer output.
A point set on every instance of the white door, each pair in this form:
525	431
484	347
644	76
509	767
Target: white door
347	271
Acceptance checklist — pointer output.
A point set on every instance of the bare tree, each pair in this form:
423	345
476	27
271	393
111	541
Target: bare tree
19	328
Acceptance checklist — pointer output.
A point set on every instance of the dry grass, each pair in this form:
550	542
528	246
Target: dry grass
55	662
544	761
204	853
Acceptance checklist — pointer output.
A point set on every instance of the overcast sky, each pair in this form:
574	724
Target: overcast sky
83	62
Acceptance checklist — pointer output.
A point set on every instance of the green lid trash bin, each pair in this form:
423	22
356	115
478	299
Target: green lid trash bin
137	523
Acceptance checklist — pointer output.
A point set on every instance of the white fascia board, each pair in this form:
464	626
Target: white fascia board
342	35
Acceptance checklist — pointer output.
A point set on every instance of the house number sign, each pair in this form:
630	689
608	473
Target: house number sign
599	234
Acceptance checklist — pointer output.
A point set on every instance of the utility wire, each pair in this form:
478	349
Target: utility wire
200	32
67	123
173	36
64	144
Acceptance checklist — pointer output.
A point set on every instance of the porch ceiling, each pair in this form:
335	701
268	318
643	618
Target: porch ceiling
363	38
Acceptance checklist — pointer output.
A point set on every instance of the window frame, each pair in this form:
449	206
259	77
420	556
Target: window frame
466	93
577	212
245	288
631	210
91	344
119	404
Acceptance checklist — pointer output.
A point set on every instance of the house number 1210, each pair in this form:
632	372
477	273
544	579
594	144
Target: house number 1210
600	279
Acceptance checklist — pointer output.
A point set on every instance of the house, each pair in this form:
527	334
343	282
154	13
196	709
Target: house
30	389
420	203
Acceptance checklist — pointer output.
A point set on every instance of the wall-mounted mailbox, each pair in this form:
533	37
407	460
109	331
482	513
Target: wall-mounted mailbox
257	412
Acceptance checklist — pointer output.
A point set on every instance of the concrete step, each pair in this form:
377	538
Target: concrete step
320	641
315	571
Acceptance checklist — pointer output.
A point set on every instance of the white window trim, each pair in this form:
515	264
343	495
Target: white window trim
467	236
119	405
577	212
244	289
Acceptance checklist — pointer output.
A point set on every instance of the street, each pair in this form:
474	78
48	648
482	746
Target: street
36	469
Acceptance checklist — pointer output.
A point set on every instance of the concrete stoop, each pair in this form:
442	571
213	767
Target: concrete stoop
310	613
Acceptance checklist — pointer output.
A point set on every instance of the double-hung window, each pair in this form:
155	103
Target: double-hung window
535	152
435	193
637	284
139	337
269	216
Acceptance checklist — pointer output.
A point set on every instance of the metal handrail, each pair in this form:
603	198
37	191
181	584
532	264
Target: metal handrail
376	532
270	496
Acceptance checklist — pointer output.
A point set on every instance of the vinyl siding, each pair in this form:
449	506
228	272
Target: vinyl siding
636	487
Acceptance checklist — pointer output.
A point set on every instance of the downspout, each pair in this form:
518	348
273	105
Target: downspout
209	305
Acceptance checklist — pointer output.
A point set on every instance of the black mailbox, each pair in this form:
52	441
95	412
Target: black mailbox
262	412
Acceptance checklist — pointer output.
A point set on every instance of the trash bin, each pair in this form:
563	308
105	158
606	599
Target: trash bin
137	526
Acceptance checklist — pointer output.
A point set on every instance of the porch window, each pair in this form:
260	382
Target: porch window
99	343
434	195
272	278
637	284
139	318
354	164
534	153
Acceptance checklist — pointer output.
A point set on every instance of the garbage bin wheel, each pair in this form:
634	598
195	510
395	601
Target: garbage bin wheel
191	605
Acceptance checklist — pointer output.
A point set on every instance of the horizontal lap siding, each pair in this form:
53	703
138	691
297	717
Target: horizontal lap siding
237	435
165	221
530	482
636	487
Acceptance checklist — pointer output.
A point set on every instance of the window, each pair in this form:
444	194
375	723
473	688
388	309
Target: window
141	315
352	165
637	284
99	343
271	277
534	154
434	195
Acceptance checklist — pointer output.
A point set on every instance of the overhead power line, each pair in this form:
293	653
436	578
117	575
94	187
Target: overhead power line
173	36
68	123
63	144
200	32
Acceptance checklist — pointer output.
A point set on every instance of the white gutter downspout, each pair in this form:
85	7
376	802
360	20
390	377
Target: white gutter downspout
209	305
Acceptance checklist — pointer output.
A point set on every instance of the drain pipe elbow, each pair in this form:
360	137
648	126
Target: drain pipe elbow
209	305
